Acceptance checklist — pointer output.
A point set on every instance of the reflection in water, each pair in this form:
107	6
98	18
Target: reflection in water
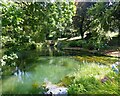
21	75
52	68
51	48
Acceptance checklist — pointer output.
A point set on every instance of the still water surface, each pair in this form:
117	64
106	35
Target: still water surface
48	68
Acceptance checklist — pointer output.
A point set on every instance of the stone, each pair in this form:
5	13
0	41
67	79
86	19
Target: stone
55	90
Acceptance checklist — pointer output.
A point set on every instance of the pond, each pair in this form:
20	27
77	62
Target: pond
48	65
46	68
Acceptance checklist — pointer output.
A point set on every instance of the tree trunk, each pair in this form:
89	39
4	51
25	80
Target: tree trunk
81	32
119	32
81	27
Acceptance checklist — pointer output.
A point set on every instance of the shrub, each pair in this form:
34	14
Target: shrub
81	43
72	44
32	46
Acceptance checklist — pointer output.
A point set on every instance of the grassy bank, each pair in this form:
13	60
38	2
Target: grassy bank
92	78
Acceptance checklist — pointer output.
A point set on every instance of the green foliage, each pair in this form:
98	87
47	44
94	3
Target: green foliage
96	43
98	59
84	85
62	44
104	17
72	44
79	43
26	23
66	81
82	21
52	18
101	23
35	19
88	80
93	43
97	18
9	59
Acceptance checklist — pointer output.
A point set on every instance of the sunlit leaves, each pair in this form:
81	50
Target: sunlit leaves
8	59
27	22
104	13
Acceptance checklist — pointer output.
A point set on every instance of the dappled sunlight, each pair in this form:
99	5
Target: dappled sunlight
59	47
97	59
94	79
92	70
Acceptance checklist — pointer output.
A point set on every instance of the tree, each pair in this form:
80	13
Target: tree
82	20
26	23
106	16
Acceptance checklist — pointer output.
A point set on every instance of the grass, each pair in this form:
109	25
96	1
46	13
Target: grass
97	59
88	80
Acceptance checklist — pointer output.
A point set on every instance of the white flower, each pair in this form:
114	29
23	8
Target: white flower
4	57
2	62
15	56
10	57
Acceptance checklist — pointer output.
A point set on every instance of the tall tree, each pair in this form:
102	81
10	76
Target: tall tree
105	16
82	21
26	23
